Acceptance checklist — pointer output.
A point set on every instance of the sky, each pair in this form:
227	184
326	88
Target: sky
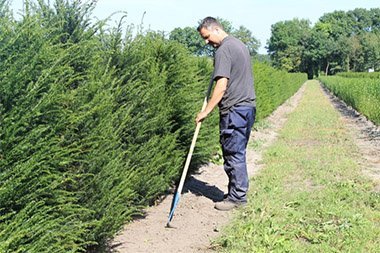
257	16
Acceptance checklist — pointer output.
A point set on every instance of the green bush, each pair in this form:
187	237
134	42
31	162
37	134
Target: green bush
375	75
363	94
92	127
274	87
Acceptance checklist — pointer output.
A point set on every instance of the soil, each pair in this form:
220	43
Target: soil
196	223
366	136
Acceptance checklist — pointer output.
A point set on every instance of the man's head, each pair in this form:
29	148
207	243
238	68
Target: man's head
211	31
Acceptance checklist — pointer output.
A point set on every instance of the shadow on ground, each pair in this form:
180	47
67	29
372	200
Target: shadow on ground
201	188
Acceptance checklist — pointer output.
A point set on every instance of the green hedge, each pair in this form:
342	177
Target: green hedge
95	126
363	94
274	87
375	75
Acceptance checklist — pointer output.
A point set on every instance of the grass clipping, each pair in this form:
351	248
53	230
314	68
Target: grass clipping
311	196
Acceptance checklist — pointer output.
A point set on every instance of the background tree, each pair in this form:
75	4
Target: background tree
355	57
227	25
286	46
337	23
245	35
189	37
339	41
355	35
371	51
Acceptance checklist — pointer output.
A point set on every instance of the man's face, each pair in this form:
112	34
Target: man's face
210	37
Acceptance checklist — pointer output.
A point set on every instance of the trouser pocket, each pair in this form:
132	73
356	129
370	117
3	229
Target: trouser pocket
228	140
233	127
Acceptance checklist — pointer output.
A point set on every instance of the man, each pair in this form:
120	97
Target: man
234	94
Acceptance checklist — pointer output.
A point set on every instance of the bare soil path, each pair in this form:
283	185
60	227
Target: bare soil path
366	136
196	222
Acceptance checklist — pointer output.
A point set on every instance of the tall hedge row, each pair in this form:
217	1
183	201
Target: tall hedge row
273	87
374	75
94	126
362	93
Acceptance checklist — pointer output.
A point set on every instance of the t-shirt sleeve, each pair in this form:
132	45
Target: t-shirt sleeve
222	66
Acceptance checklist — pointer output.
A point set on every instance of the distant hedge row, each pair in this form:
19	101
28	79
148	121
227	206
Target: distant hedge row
375	75
95	126
363	94
273	87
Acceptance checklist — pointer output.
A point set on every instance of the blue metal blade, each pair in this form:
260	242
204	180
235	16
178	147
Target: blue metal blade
174	205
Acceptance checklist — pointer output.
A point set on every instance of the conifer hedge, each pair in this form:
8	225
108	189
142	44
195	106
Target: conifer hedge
374	75
273	87
94	125
359	90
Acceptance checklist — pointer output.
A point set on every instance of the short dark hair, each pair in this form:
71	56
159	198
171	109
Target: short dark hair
208	23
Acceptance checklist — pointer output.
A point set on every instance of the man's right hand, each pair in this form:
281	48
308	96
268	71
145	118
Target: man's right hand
201	116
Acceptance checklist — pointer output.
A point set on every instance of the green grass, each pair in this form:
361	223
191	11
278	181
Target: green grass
311	196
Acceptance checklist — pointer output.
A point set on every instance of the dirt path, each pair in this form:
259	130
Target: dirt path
196	221
365	134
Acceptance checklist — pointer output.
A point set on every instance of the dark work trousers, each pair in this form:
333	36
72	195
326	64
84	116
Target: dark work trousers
235	128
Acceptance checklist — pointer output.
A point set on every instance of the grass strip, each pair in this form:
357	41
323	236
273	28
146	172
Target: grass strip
311	196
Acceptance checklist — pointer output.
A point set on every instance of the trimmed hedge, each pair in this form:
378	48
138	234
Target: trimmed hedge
273	87
375	75
93	128
363	94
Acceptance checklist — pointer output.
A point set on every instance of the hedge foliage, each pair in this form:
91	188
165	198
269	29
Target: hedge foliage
94	125
273	87
363	94
375	75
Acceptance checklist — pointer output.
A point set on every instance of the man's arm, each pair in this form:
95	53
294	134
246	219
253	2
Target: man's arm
217	94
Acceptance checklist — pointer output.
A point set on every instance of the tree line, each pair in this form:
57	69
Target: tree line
338	42
189	37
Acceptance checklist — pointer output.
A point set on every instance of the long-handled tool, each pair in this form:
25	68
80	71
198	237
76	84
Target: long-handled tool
188	159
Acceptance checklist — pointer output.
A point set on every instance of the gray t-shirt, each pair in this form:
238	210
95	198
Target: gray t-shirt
232	60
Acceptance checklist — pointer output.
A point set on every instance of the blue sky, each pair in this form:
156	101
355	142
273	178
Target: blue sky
257	16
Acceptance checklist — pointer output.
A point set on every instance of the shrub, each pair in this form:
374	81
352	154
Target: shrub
363	94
